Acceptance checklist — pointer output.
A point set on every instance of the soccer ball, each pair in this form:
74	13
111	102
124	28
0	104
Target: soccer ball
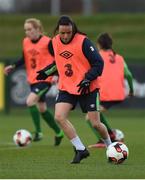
119	135
117	152
22	138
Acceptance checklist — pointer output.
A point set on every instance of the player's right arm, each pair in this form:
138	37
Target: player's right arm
50	69
8	69
47	71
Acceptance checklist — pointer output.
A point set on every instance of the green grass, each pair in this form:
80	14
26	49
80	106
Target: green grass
43	161
127	31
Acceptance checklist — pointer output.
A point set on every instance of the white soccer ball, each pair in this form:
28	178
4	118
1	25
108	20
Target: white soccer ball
117	152
119	135
22	138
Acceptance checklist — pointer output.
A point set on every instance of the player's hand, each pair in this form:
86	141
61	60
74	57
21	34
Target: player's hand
84	87
41	75
8	69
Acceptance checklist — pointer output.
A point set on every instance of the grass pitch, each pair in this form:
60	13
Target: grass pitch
41	160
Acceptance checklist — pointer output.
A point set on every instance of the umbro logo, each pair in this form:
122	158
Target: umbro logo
66	54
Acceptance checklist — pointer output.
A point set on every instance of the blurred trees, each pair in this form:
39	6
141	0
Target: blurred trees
85	7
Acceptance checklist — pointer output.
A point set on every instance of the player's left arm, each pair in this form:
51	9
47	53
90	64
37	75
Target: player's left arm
96	62
94	58
128	76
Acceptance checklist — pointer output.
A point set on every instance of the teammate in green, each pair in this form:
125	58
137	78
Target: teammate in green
36	56
112	86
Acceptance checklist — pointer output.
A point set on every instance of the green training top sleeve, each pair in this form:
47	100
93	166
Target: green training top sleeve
51	70
128	76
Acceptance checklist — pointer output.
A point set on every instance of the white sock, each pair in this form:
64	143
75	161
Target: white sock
107	141
77	143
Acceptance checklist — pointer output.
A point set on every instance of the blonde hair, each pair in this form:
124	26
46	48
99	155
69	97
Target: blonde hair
36	24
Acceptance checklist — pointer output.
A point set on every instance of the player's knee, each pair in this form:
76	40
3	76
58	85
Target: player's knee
96	125
59	118
29	102
42	109
56	117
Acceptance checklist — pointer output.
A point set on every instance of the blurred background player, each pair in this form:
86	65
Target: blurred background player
79	65
112	90
35	57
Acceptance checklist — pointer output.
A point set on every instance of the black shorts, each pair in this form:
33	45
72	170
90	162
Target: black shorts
109	104
40	89
88	102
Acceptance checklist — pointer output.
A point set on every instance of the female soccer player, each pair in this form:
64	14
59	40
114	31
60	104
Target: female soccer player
112	90
79	65
35	57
